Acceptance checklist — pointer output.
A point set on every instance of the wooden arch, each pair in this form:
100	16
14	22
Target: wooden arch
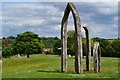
88	45
78	39
97	55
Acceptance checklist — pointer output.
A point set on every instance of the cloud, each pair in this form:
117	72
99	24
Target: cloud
29	22
56	19
27	15
45	18
108	8
115	18
33	22
106	11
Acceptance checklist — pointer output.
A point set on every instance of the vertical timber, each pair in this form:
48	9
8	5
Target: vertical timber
88	46
99	56
96	54
78	39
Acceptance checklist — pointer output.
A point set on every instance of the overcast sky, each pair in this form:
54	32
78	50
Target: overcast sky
44	18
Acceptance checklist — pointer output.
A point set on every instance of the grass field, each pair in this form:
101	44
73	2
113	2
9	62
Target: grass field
48	66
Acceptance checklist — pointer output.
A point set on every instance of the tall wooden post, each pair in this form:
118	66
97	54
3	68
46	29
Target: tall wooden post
96	54
88	46
78	40
64	50
99	60
95	58
75	52
64	40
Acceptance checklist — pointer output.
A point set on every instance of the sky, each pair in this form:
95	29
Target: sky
44	18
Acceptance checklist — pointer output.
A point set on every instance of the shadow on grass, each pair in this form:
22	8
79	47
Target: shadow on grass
58	71
55	71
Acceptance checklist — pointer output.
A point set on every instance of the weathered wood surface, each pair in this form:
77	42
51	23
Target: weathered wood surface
78	40
88	46
96	55
95	58
99	60
75	51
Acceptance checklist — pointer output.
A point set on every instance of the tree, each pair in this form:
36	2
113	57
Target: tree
11	37
70	42
4	38
84	46
116	47
49	41
7	51
106	49
56	49
26	43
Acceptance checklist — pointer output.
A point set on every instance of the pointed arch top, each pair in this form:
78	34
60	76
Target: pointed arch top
72	8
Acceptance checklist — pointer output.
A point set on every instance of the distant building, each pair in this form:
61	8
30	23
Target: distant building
59	48
9	41
47	49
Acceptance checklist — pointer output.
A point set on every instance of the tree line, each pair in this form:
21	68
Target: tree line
109	47
29	43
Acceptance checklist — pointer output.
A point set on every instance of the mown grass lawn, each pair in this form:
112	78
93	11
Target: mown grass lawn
49	66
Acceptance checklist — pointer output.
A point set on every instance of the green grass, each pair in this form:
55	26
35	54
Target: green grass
0	69
48	66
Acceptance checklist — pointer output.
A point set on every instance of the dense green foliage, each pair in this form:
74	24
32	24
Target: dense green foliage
7	51
10	37
70	43
26	43
115	47
109	48
49	41
57	47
